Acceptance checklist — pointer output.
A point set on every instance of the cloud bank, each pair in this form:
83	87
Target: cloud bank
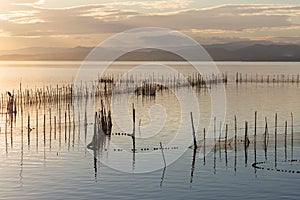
87	24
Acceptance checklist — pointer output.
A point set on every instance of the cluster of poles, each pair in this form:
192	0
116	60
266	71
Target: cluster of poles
141	84
225	142
275	78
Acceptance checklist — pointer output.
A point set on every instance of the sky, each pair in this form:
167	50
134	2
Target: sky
70	23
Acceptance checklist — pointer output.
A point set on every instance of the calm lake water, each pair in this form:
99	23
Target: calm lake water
65	169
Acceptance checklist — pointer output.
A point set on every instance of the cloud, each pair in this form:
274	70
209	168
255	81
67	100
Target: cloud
152	5
3	33
230	21
95	18
288	40
58	21
23	1
15	9
134	5
217	40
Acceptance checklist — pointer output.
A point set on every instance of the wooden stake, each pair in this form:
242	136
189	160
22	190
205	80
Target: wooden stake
54	127
285	137
133	128
163	155
37	127
255	121
44	129
50	119
65	127
226	130
204	136
6	132
215	144
292	136
265	138
29	129
246	142
193	131
235	133
275	146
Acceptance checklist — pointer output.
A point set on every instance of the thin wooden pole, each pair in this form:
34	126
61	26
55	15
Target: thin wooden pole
235	133
219	142
275	145
226	133
6	133
265	137
235	142
193	131
28	129
292	136
65	127
255	121
133	136
163	155
215	144
37	128
85	126
193	165
50	119
73	137
204	140
54	127
246	142
59	120
69	118
50	129
285	137
79	126
226	130
44	129
11	129
133	128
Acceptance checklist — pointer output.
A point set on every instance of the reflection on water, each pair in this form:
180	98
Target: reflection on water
43	150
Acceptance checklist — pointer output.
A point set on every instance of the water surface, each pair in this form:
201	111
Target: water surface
66	169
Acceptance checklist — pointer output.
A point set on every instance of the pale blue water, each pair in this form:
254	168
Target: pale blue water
67	171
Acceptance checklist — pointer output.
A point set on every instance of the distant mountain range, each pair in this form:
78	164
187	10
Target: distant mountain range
234	51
